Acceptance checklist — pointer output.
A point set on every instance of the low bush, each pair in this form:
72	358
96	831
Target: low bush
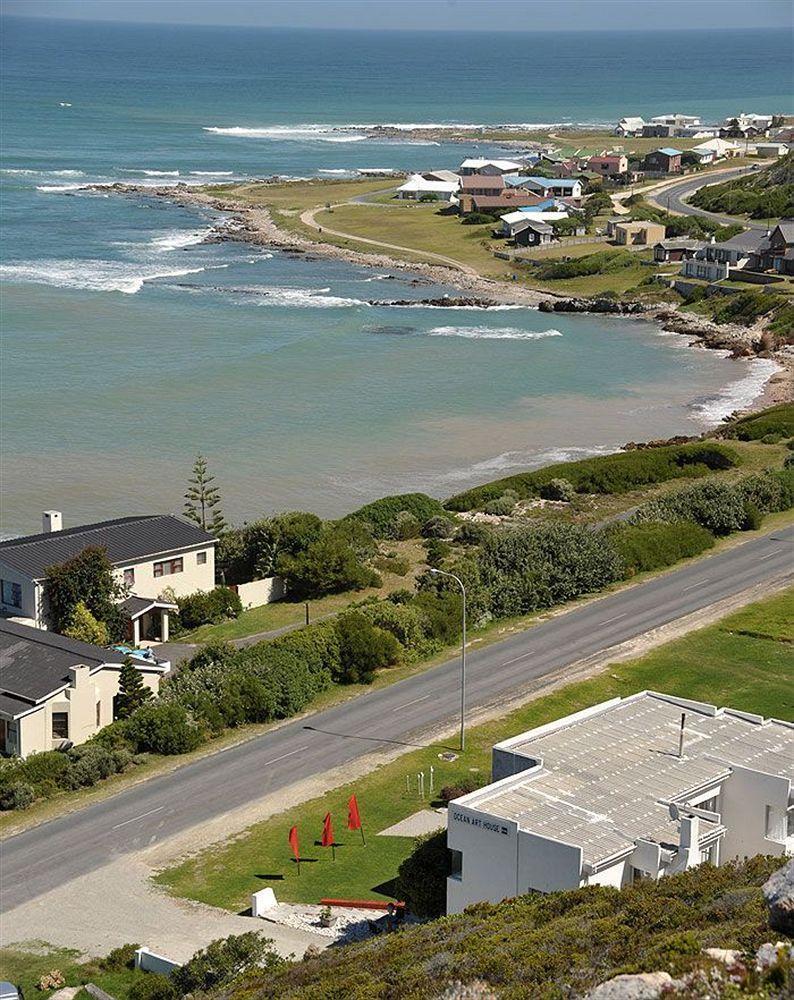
558	489
224	960
380	515
153	986
436	551
652	545
777	420
438	527
462	787
17	795
405	525
160	727
501	506
398	565
601	262
422	876
120	958
363	648
607	474
208	608
333	562
478	219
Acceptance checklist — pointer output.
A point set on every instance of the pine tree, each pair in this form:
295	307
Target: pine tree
203	500
132	691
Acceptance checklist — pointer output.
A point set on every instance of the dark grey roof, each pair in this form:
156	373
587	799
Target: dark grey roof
34	663
125	538
12	706
136	606
786	227
538	227
747	240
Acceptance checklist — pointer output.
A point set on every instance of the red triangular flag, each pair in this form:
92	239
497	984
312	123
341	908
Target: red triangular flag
353	815
328	832
293	843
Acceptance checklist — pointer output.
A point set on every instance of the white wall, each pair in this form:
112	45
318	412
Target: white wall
547	865
490	857
150	961
29	608
616	875
259	592
746	794
192	578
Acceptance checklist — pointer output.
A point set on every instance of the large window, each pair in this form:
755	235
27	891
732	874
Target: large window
168	566
11	593
60	725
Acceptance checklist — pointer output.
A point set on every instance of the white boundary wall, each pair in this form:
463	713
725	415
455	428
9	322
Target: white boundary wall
149	961
259	592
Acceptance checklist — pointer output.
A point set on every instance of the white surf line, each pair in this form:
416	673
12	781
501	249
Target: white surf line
136	818
414	702
284	755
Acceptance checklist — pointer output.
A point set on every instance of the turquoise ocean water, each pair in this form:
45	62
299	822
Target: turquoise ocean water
128	345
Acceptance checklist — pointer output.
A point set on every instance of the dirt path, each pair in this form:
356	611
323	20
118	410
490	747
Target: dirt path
307	218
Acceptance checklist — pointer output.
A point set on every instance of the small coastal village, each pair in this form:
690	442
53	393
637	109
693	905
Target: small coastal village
307	757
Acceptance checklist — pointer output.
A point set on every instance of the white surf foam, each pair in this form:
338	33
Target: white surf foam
58	188
737	395
178	239
300	298
526	460
322	133
93	275
212	173
155	173
492	333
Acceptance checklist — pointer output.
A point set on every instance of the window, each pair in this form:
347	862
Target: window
12	593
201	558
60	725
99	715
129	577
168	566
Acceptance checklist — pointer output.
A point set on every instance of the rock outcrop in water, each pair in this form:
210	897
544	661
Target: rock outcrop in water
445	301
614	306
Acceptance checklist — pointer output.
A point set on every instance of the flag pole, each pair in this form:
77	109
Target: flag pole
363	839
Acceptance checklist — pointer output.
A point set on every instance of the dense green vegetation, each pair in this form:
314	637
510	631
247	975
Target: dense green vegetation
85	582
694	226
551	947
767	194
745	308
652	545
607	473
776	420
743	661
386	517
600	262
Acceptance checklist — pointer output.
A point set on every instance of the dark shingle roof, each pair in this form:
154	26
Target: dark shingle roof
125	538
34	663
136	606
747	240
786	227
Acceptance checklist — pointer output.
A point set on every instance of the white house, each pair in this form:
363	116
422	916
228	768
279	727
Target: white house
418	185
771	149
549	187
629	126
676	120
633	788
55	690
479	165
514	222
148	553
716	149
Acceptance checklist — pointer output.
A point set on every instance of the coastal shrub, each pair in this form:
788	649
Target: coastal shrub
317	645
152	986
468	783
436	551
654	544
558	489
163	728
18	795
406	622
224	960
119	959
472	533
601	262
405	525
364	648
250	552
535	567
478	219
380	514
422	876
398	565
617	473
501	506
438	527
775	420
329	564
44	770
208	608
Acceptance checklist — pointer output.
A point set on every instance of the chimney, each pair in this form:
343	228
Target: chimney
51	520
681	736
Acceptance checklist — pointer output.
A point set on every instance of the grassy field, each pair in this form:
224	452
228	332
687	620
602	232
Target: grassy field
25	967
723	663
296	196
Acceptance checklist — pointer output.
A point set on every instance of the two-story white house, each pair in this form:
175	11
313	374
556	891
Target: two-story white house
149	554
633	788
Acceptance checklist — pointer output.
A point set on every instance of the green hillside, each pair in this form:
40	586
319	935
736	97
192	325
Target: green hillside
765	194
544	947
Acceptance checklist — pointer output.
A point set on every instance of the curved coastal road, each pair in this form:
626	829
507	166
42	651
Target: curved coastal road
52	854
674	197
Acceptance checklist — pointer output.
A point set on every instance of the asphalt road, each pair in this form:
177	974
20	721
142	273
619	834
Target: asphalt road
674	198
49	855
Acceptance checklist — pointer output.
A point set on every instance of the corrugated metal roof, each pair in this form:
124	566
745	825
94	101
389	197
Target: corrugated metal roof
34	663
125	538
603	777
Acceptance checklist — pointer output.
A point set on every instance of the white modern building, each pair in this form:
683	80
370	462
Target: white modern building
149	554
633	788
676	120
480	165
418	186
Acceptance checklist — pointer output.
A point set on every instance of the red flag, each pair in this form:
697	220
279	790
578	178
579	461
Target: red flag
293	843
328	832
353	815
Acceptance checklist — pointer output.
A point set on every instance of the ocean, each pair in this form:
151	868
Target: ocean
129	345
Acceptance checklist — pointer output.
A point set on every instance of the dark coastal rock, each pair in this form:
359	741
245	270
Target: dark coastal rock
662	442
779	897
613	306
446	301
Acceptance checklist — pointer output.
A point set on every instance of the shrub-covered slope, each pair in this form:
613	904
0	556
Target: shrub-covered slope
542	947
767	194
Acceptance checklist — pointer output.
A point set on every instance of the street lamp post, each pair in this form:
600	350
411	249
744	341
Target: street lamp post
457	579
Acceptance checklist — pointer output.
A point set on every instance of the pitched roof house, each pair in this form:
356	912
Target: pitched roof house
54	689
664	161
480	165
148	553
609	165
548	187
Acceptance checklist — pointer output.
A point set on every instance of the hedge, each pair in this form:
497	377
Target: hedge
777	420
654	544
616	473
380	515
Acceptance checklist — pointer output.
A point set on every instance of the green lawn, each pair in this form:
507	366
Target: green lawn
25	966
717	664
295	196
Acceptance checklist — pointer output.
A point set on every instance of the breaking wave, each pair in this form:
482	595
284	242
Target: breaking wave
526	460
321	133
178	239
492	333
92	275
737	395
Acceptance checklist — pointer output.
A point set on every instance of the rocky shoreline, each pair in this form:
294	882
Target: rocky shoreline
254	225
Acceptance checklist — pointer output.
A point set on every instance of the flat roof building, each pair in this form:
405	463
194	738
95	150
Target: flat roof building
632	788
